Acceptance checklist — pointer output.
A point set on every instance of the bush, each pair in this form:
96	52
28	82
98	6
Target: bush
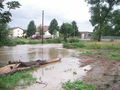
73	45
57	40
8	42
73	40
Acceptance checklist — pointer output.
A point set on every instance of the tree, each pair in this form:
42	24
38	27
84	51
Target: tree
75	29
53	27
66	30
3	32
100	11
115	19
5	17
31	28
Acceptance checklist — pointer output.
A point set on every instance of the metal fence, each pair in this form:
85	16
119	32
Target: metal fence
110	38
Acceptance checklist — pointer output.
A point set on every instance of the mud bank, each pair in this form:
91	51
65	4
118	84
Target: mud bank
104	75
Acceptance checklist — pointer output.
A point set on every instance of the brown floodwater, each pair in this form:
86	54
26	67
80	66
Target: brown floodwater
52	75
32	52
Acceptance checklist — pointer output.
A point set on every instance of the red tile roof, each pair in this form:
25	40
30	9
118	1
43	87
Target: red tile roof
45	28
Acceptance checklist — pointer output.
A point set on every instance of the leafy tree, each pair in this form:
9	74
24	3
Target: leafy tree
53	27
100	11
5	17
31	28
75	29
3	32
66	30
116	22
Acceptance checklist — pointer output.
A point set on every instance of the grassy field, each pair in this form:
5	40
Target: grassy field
88	47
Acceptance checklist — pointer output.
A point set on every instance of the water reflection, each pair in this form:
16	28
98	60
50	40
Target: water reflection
32	52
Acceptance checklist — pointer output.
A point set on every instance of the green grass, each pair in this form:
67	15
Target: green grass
77	85
26	41
74	45
114	56
9	82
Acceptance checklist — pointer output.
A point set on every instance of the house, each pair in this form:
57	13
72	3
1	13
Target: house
46	32
85	35
17	32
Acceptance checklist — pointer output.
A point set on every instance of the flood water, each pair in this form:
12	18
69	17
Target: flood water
52	75
32	52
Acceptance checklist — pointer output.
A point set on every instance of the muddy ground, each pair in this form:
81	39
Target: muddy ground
105	74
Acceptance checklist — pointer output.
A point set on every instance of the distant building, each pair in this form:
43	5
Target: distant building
17	32
46	32
85	35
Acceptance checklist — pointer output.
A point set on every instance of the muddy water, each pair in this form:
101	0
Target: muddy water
52	75
32	52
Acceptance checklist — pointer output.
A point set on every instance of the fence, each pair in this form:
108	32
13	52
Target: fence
110	38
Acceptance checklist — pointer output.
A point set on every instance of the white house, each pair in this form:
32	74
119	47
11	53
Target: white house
16	32
85	35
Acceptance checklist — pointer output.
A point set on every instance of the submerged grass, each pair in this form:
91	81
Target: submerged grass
9	82
77	85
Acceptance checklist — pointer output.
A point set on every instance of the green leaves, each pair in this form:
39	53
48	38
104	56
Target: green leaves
5	15
101	16
31	29
13	4
53	27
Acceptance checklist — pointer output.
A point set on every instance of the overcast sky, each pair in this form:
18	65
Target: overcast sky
61	10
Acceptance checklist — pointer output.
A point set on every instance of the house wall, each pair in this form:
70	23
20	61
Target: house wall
17	32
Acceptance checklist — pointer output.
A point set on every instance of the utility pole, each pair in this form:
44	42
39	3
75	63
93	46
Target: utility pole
42	24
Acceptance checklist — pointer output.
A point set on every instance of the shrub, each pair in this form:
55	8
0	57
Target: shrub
73	45
57	40
73	40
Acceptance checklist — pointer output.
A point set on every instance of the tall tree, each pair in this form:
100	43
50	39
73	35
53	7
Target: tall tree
66	30
5	17
116	22
31	28
75	29
100	10
53	27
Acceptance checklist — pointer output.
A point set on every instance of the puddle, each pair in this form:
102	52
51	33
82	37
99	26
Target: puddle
55	74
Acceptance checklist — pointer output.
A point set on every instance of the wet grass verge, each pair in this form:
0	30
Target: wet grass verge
77	85
22	78
19	41
114	56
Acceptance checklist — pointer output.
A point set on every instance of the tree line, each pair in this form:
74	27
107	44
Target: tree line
66	29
